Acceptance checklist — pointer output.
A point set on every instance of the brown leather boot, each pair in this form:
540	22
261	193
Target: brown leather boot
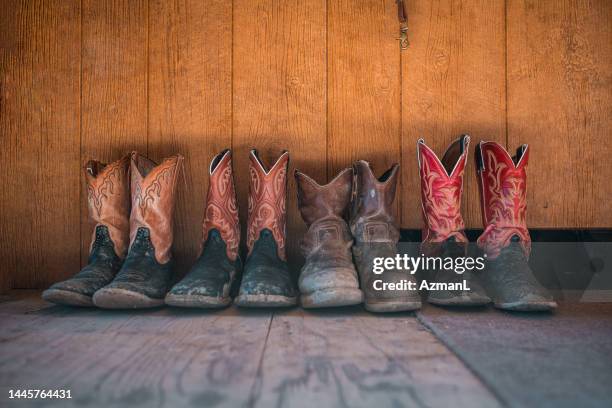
144	278
108	199
328	278
209	281
443	234
266	281
376	236
505	240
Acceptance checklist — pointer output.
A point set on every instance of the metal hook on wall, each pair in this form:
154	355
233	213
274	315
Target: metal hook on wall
401	15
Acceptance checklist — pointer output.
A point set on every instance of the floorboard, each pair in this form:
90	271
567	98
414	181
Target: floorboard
234	357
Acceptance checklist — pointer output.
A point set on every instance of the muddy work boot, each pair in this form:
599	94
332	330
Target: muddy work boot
506	240
108	200
376	235
144	278
266	281
208	283
328	277
443	232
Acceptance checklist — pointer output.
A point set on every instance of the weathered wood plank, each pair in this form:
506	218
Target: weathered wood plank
453	82
279	93
114	75
190	100
39	133
354	359
162	357
363	85
559	97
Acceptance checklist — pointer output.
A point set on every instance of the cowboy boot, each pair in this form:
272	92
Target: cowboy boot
506	240
108	200
328	277
267	281
376	235
443	232
144	278
209	282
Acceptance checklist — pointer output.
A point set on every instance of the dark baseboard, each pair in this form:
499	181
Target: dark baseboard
537	235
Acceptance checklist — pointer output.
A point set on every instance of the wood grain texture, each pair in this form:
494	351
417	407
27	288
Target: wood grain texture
324	79
453	82
229	358
559	98
167	357
350	358
279	94
190	73
364	85
114	99
39	134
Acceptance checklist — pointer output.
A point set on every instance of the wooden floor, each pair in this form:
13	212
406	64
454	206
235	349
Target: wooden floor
235	357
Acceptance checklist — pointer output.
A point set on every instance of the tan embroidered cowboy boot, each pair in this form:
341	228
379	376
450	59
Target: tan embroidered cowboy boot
506	240
144	278
328	277
209	283
108	199
266	281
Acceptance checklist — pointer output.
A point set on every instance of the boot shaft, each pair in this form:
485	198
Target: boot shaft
331	200
153	189
221	211
372	218
323	209
108	200
441	190
267	201
503	188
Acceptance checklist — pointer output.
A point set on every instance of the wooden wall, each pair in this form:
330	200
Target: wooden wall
323	78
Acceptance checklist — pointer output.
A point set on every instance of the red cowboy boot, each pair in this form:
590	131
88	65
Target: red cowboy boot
443	233
506	240
266	280
108	199
209	282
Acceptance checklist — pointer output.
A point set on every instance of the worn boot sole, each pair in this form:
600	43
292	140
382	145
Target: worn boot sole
522	306
197	301
113	298
392	306
67	298
265	301
459	301
332	298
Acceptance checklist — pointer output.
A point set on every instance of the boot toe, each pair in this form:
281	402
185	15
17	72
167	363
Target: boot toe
266	288
199	293
328	279
66	297
123	297
528	303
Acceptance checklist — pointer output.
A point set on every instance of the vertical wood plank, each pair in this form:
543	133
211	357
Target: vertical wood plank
559	97
364	84
453	82
190	88
279	92
114	75
39	133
